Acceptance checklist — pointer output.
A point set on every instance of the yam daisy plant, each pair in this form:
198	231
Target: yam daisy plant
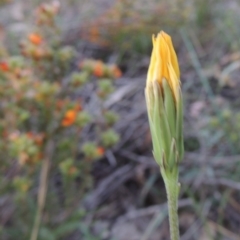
164	106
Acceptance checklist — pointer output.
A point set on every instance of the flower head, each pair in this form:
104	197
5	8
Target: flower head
98	69
4	67
164	103
35	38
69	118
116	71
100	151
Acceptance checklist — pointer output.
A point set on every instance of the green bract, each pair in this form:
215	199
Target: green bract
165	119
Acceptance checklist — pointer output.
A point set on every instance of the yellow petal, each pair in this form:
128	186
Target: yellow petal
164	63
173	56
151	68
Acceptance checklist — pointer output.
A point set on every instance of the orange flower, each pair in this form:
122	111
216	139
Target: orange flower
100	151
78	107
69	118
94	34
39	139
4	67
36	137
30	135
72	170
98	69
116	71
60	104
35	38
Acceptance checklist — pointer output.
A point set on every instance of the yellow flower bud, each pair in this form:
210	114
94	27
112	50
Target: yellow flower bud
164	103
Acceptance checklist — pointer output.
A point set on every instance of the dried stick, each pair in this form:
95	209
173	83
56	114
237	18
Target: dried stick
42	191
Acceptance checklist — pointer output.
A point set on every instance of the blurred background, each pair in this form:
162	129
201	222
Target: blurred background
75	147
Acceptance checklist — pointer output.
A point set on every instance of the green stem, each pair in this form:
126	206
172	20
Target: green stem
172	189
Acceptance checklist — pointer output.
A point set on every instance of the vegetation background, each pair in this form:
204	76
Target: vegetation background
75	147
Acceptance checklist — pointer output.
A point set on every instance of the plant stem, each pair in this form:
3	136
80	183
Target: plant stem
172	195
42	191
